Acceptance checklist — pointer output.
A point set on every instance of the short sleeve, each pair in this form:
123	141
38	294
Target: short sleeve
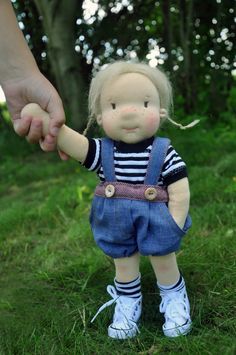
93	159
174	168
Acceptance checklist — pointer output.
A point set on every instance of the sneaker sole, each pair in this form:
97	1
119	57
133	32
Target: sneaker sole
175	332
122	333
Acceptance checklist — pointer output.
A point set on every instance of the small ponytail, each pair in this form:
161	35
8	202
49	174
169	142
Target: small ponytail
164	115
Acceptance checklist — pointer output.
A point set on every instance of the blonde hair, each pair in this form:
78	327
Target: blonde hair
113	71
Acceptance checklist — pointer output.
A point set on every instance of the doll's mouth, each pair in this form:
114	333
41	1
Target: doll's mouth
130	129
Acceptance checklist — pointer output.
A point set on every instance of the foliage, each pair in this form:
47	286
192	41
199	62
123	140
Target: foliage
193	40
10	143
31	24
4	115
231	101
53	277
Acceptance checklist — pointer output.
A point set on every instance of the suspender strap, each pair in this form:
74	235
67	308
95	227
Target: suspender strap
156	160
108	159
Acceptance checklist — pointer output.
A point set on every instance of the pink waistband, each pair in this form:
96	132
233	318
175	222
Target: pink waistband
134	192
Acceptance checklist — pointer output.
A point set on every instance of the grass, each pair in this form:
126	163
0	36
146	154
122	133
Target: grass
53	277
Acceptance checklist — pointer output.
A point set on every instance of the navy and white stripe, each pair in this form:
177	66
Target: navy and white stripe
130	289
178	286
131	167
97	155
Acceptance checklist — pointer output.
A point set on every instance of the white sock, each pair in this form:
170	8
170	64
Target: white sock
179	285
131	289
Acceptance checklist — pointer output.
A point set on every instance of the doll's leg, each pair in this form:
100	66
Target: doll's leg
127	269
165	268
128	298
175	303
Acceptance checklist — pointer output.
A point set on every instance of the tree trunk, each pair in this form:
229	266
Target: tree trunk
216	85
59	23
167	32
186	18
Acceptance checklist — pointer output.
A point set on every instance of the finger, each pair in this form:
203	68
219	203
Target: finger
22	125
48	144
35	131
57	115
63	155
41	143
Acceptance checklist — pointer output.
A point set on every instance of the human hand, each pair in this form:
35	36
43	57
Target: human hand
68	140
35	88
35	112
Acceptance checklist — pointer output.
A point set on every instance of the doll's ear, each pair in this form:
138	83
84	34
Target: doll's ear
99	120
163	113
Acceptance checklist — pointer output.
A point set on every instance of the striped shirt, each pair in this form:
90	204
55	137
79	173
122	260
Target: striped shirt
131	161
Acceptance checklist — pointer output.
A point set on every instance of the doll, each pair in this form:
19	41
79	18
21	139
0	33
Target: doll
141	204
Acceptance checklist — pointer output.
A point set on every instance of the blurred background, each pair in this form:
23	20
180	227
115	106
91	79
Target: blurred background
52	276
192	40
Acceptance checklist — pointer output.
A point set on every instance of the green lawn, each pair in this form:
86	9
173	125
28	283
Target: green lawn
53	278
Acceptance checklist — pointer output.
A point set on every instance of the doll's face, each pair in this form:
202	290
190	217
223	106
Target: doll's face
130	108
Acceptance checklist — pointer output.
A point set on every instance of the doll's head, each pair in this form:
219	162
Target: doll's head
131	98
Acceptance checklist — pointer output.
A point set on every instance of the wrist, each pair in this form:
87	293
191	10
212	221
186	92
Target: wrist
15	73
16	58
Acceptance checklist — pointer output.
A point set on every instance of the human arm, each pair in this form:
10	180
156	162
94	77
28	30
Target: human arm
69	141
22	82
179	198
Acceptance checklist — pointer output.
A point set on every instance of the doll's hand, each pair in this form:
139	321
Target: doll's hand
180	221
35	112
40	117
178	204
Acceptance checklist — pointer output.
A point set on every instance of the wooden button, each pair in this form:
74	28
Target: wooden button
150	193
109	190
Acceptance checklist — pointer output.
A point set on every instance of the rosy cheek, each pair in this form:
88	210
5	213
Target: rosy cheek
152	120
108	123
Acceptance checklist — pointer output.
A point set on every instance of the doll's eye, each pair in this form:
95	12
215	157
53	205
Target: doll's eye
113	106
146	103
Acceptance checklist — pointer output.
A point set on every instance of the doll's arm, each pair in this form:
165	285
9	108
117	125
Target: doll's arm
69	141
179	197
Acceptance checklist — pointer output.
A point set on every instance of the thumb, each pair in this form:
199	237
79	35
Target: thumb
63	155
56	113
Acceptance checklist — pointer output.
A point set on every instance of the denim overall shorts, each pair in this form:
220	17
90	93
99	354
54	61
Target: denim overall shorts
128	218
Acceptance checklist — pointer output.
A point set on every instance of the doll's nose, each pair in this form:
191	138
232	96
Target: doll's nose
129	112
129	109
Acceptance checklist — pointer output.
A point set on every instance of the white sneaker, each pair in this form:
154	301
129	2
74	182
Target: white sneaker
176	309
126	315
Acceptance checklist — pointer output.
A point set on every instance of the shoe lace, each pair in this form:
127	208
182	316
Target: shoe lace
122	308
173	307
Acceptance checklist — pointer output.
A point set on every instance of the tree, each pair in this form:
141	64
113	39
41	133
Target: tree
192	39
50	29
59	24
